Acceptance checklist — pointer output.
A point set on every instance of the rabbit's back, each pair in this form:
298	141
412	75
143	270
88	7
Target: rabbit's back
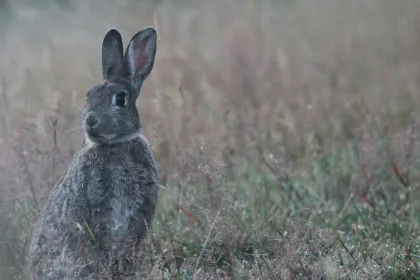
58	227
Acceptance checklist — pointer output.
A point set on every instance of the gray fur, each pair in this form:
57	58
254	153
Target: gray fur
100	209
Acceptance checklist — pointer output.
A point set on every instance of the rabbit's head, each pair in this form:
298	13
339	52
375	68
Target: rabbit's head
110	114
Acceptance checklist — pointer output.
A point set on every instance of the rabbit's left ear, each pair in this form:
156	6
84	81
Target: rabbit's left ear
112	54
140	57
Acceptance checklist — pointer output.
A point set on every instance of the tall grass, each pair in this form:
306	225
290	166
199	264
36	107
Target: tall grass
287	133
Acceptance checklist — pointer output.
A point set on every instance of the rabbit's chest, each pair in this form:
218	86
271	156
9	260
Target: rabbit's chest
119	189
114	185
117	195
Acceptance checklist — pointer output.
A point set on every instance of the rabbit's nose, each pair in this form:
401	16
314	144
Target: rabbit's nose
92	120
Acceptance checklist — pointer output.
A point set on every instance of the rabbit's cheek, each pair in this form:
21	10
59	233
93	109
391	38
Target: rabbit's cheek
114	120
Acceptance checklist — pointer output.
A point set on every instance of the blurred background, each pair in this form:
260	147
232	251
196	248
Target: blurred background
287	133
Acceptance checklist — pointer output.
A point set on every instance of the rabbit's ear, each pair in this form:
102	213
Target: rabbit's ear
140	56
112	54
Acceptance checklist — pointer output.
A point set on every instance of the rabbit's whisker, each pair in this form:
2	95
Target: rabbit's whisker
75	128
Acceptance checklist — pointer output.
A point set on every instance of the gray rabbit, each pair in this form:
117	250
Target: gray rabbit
101	208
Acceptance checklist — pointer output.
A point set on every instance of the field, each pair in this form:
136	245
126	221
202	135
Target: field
287	133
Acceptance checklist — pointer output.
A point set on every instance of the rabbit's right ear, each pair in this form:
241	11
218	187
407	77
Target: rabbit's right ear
140	56
112	54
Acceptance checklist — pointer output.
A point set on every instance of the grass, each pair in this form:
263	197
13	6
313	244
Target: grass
287	133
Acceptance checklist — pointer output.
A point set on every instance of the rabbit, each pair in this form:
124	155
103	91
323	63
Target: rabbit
102	206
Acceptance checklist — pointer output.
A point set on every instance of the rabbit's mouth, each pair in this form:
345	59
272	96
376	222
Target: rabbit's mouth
91	133
94	136
99	139
107	139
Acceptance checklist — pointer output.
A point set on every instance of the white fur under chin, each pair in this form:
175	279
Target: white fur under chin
111	139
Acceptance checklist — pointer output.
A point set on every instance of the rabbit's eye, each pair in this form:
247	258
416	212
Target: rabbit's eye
120	99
